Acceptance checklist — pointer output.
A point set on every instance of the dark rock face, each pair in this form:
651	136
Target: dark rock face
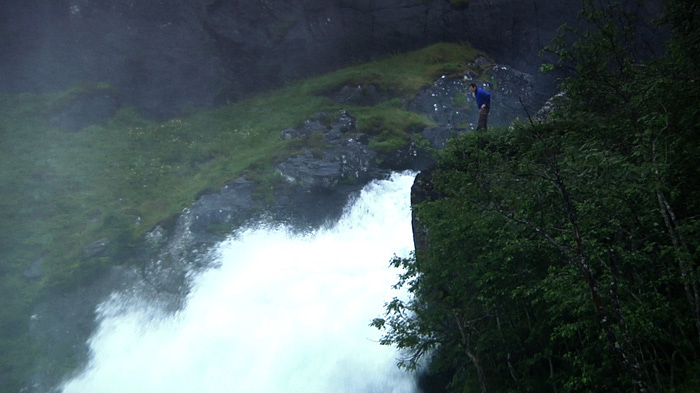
154	52
423	190
166	56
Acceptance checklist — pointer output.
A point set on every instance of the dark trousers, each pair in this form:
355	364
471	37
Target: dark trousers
483	118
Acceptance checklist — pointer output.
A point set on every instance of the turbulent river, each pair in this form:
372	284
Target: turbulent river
280	313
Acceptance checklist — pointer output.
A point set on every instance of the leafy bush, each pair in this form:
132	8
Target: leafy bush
564	256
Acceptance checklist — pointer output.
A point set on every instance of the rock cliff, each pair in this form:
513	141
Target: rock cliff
334	161
165	57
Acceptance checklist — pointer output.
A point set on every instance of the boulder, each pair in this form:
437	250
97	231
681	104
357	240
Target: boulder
96	248
340	155
550	108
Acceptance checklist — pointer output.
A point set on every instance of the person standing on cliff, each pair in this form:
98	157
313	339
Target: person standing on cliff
483	102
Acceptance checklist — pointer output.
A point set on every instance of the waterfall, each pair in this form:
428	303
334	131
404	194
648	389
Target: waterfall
280	312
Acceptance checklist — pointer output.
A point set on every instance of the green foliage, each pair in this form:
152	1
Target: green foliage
390	124
501	295
564	256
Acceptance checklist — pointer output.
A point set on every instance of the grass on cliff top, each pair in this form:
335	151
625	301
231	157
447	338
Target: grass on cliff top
61	190
402	75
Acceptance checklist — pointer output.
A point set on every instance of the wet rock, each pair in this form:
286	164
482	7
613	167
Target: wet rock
423	190
550	108
156	238
215	215
482	61
342	155
96	248
446	102
344	122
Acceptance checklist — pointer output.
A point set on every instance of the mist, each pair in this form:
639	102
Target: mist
280	313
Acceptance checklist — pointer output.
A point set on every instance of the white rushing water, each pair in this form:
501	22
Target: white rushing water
281	314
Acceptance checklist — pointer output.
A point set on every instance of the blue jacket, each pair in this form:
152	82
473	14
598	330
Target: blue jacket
482	97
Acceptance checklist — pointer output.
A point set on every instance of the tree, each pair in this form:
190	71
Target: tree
559	254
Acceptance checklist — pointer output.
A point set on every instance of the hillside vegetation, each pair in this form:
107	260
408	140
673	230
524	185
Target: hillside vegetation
565	256
62	191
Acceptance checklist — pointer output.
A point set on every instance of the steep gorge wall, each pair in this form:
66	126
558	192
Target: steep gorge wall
164	56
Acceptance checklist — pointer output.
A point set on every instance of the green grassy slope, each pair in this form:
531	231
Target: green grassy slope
61	191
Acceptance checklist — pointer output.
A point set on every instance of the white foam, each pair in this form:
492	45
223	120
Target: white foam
282	313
